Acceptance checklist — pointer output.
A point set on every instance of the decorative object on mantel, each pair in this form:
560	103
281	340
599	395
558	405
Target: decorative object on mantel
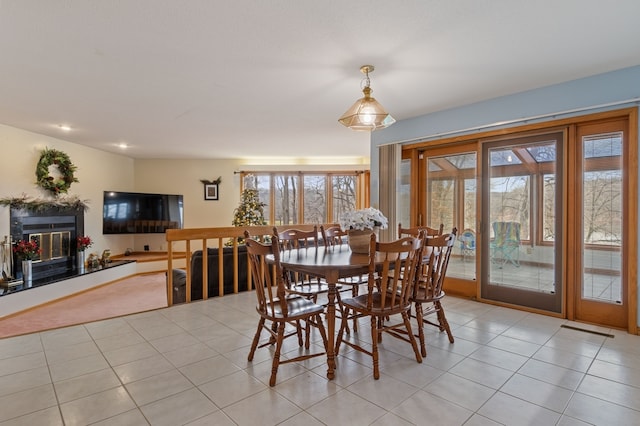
211	188
53	157
27	272
80	261
27	251
25	202
6	262
106	257
360	224
93	261
83	244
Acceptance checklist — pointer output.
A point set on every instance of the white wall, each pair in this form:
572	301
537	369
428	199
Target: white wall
183	177
97	171
100	171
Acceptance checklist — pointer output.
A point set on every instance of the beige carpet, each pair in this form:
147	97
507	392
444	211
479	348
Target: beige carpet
130	295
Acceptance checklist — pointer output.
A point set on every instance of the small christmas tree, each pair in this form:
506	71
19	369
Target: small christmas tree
250	212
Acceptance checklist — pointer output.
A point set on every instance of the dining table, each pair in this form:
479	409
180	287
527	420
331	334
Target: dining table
330	263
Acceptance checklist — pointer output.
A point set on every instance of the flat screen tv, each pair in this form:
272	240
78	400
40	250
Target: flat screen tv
139	213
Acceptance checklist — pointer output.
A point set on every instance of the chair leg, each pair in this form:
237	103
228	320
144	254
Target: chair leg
375	333
307	331
323	332
307	336
276	355
419	316
256	339
354	293
442	320
274	329
299	333
346	329
343	325
412	338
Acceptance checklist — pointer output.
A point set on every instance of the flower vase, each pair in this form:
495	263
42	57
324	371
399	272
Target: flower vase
359	240
80	261
27	271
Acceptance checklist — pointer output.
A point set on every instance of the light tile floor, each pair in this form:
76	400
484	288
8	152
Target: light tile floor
188	365
599	287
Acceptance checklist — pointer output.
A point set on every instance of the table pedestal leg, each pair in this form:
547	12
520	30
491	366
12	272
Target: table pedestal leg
331	328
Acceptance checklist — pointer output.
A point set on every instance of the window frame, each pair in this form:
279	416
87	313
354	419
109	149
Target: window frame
362	178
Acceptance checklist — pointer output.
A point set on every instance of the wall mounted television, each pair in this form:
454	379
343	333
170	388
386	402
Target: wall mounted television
140	213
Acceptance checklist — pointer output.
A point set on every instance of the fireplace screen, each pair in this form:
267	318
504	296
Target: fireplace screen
54	245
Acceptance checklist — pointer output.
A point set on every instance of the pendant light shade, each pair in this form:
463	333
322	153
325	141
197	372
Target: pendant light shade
366	113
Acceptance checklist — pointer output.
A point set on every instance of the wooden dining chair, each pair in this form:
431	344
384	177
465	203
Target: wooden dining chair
334	237
296	283
277	310
392	268
413	232
428	293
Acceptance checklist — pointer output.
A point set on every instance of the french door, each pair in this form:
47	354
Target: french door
601	228
521	219
546	217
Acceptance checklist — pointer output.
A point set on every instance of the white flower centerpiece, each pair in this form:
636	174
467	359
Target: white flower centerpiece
360	224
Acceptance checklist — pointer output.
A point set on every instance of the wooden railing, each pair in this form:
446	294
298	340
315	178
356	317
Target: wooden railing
205	238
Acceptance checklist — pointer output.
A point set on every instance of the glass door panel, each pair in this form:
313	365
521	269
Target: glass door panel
521	248
404	194
451	201
600	229
602	218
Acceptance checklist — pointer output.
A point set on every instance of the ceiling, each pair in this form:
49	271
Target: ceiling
265	79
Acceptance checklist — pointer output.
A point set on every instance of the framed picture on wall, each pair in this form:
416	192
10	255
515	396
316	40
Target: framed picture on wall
211	191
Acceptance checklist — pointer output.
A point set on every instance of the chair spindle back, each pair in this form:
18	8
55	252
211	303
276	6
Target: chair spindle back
392	269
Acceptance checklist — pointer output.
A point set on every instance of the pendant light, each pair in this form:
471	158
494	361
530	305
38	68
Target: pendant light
366	113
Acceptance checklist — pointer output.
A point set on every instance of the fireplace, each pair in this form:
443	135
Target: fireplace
56	231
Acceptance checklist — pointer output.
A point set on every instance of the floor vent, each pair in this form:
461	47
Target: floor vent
587	331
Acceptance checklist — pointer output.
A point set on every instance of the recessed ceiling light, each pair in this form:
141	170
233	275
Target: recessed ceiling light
64	127
123	145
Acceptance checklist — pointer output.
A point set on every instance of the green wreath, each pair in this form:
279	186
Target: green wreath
51	157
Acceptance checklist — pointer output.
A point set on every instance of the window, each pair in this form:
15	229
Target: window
307	197
315	199
287	199
344	194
